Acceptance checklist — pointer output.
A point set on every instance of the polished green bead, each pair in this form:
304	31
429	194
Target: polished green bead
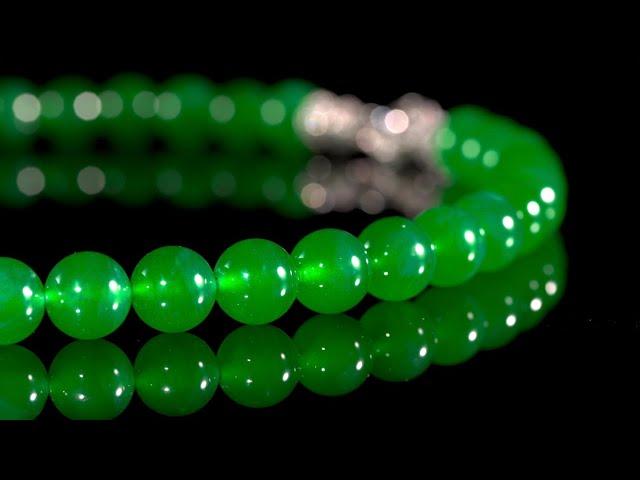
91	380
336	356
176	374
129	106
401	258
402	340
24	384
332	269
88	295
540	199
500	226
457	322
173	289
256	281
258	366
183	117
21	301
458	244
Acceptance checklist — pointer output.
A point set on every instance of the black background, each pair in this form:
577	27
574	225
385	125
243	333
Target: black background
570	375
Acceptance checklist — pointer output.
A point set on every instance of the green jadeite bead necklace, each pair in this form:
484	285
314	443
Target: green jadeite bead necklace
508	195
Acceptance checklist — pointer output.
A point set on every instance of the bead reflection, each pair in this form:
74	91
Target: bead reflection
24	384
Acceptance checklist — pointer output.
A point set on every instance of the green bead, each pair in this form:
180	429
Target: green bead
401	258
457	323
176	374
458	243
91	380
541	278
88	295
20	112
21	301
402	340
258	366
501	228
256	281
24	384
129	104
173	289
184	121
335	354
332	271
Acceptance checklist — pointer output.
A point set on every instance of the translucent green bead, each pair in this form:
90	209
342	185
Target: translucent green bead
20	112
402	340
91	380
173	289
332	271
71	108
256	281
183	118
458	244
88	295
401	258
258	365
129	105
501	228
21	301
176	374
335	354
457	321
24	384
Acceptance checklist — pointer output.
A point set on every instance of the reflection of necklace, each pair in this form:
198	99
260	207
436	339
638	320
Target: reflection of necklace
260	366
509	194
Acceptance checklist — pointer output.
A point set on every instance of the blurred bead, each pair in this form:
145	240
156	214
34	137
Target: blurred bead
183	119
258	365
335	355
20	112
173	289
401	258
88	295
176	374
457	322
71	109
91	380
402	340
332	270
459	245
502	228
256	281
21	301
129	107
24	384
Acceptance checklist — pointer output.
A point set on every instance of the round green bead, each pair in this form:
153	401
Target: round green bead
176	374
500	226
457	322
184	120
458	243
258	365
21	301
335	354
332	269
401	258
91	380
88	295
173	289
24	384
402	340
256	281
